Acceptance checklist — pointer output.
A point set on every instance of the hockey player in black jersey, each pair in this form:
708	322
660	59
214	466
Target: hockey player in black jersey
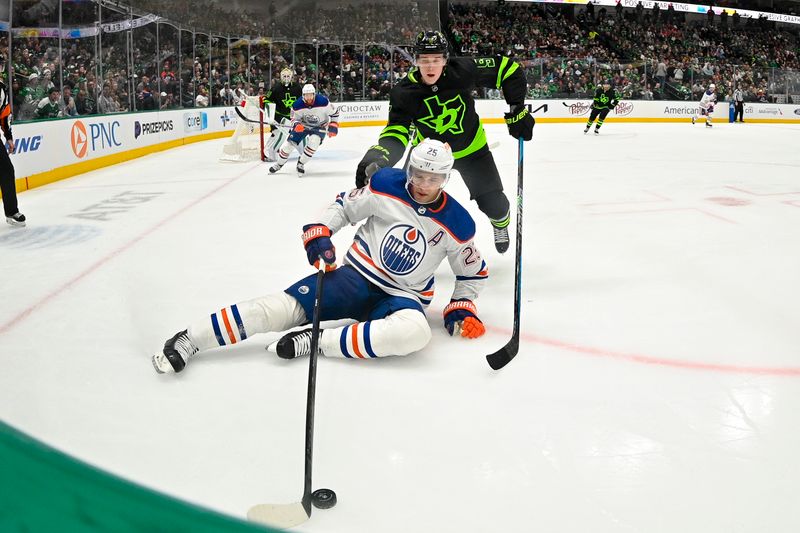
605	99
436	98
283	94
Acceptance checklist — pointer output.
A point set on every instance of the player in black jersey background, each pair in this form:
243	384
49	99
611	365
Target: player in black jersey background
605	99
283	94
436	98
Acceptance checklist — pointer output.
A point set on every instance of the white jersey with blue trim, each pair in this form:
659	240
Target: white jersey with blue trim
402	242
708	99
317	115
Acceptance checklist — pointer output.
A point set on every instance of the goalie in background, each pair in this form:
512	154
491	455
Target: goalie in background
283	94
707	102
313	117
387	280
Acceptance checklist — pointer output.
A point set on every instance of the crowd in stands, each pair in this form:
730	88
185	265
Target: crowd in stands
355	51
303	20
646	54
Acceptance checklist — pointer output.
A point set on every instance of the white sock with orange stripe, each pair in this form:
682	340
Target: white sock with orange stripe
401	333
275	312
310	148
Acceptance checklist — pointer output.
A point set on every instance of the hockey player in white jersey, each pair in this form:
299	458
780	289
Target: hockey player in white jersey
313	117
707	102
386	282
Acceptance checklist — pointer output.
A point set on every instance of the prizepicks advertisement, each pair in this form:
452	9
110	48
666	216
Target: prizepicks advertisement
46	145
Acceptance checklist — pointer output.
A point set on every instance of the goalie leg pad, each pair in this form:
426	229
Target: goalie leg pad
277	138
235	323
401	333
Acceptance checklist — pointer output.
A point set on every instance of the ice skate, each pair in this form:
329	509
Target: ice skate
17	220
176	353
296	344
301	169
501	240
274	168
694	120
586	130
708	125
597	131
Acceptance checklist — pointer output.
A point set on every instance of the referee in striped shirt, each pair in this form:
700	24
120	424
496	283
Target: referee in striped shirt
7	179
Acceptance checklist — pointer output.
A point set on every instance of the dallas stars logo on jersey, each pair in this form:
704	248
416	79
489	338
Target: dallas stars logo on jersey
446	116
288	100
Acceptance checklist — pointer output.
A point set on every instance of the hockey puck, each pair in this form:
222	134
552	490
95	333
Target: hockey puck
323	498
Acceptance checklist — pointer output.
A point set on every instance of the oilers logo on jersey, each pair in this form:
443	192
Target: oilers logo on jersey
402	249
312	120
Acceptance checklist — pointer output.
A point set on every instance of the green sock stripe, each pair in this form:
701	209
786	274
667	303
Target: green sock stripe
502	223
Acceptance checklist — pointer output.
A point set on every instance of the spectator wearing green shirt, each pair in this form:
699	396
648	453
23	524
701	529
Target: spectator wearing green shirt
48	106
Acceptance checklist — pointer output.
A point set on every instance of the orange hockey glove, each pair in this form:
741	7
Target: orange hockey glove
461	318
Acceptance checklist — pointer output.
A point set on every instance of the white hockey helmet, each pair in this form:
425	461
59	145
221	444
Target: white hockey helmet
309	93
286	76
432	160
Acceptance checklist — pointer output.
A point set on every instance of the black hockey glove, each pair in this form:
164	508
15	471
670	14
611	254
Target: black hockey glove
377	155
520	122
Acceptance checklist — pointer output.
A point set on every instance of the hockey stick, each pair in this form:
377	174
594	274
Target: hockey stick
501	357
273	124
291	514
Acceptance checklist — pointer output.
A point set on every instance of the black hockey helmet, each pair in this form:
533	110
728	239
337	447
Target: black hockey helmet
430	42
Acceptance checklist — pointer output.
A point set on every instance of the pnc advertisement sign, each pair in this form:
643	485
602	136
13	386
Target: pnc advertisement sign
99	136
78	139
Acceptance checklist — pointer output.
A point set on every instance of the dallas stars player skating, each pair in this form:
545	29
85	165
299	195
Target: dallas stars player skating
436	97
283	94
605	99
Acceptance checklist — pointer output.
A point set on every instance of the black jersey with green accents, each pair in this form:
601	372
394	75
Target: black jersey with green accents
445	111
283	96
605	99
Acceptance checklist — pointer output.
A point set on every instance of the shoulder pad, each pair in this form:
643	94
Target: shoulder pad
456	219
389	180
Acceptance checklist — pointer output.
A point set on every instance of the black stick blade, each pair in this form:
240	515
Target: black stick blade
504	355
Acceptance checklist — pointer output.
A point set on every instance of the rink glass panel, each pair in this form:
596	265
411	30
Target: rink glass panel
346	65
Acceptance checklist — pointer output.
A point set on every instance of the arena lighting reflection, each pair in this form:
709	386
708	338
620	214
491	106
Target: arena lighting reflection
679	6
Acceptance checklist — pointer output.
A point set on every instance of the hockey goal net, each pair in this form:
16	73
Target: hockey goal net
247	142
